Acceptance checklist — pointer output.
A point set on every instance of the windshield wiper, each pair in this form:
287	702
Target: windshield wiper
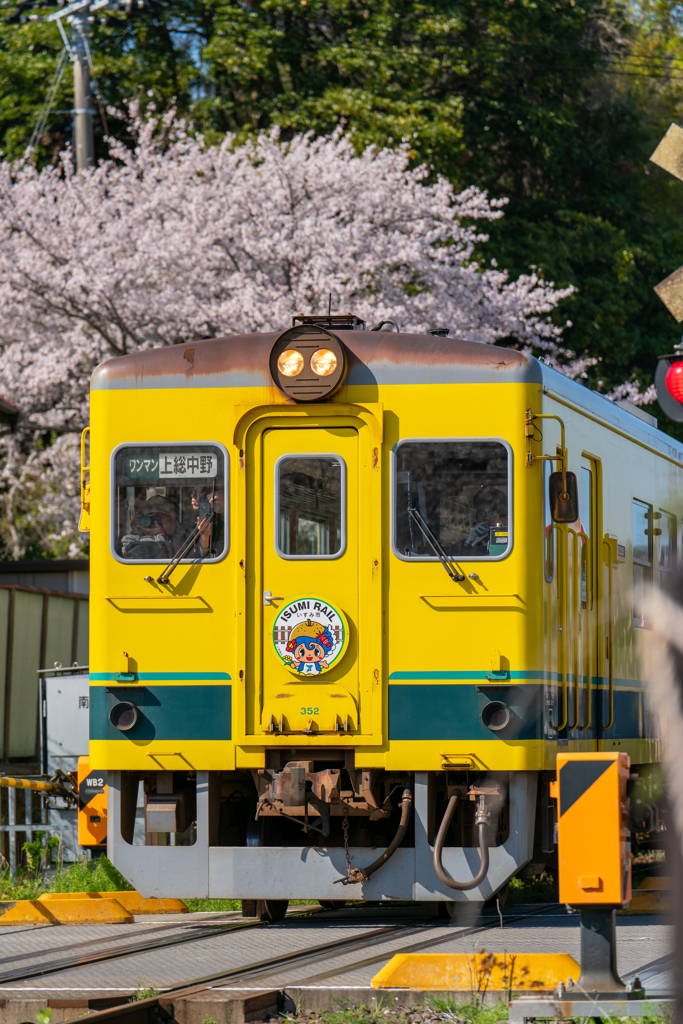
435	546
187	546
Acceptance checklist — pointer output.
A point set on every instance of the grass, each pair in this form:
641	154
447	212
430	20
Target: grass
437	1009
196	906
544	889
536	890
85	876
468	1013
144	993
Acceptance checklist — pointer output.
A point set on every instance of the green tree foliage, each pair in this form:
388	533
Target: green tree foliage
556	104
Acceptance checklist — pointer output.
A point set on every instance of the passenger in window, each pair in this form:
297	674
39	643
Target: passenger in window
491	507
155	531
205	500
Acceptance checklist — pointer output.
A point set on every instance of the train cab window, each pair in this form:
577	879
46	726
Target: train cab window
162	494
642	559
454	496
310	511
666	555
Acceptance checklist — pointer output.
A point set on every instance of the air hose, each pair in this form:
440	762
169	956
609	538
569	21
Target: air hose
362	874
481	820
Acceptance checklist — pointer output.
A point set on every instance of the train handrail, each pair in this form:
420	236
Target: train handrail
576	609
607	543
84	522
588	642
562	576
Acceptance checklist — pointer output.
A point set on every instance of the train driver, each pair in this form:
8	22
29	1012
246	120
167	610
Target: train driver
155	531
491	504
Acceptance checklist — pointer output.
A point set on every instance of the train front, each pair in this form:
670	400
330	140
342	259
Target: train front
308	616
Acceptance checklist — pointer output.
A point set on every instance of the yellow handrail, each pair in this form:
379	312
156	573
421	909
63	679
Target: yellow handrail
609	544
588	639
576	609
563	620
84	524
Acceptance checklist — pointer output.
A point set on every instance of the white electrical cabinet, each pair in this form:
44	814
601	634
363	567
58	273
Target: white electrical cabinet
64	736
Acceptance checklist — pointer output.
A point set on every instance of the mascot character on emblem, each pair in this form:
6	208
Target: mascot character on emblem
309	645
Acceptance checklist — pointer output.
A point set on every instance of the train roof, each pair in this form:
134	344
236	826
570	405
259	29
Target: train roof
375	358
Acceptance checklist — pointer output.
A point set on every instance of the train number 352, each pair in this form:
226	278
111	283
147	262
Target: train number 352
310	711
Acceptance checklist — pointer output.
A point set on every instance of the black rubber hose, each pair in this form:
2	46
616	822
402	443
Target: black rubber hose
361	874
438	849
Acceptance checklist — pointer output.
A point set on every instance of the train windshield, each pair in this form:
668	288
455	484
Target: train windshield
168	499
453	495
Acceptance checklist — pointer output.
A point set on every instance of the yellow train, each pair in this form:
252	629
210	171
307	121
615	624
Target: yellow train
337	636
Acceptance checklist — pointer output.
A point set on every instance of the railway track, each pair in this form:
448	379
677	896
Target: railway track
120	949
142	1010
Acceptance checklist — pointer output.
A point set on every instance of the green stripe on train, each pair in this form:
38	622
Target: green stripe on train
166	712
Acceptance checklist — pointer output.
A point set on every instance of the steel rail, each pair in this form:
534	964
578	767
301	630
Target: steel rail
415	947
131	949
261	968
197	925
301	958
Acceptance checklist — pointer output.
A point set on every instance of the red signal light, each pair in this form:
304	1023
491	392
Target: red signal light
674	380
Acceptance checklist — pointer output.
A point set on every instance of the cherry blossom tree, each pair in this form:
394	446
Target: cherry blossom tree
174	240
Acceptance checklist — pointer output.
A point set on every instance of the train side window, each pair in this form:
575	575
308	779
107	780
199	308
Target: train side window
642	560
548	531
456	493
666	556
310	514
161	493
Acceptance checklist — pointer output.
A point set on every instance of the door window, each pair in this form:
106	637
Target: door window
667	550
161	494
310	508
642	559
455	492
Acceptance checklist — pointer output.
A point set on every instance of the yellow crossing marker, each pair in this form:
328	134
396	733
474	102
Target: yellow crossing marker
653	896
24	912
64	911
463	972
130	900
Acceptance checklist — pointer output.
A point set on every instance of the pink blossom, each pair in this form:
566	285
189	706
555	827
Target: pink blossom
175	240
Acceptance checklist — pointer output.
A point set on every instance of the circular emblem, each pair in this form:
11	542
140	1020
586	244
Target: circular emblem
310	635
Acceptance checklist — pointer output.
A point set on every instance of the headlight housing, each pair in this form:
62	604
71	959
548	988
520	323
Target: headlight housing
308	363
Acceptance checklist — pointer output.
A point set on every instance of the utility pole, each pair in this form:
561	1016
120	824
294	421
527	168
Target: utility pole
79	14
84	142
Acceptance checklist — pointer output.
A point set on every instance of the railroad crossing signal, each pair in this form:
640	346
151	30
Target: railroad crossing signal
669	156
669	383
669	376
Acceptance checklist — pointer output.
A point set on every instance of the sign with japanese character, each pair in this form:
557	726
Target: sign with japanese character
190	464
141	466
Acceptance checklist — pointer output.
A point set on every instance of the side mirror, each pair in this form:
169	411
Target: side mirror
564	505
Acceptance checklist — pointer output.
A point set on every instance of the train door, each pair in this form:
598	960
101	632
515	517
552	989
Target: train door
589	601
314	638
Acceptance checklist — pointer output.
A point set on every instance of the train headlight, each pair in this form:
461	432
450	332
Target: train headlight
323	362
290	363
308	363
496	715
124	715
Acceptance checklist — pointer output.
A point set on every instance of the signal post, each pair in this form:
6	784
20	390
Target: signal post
594	858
